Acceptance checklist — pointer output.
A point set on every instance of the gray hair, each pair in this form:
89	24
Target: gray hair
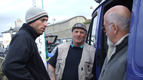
122	22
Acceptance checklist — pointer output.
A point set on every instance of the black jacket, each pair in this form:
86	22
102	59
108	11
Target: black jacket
23	61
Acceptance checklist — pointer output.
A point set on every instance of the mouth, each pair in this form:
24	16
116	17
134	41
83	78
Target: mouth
43	29
78	38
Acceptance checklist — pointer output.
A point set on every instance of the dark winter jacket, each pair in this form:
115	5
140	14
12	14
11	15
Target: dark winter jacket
23	61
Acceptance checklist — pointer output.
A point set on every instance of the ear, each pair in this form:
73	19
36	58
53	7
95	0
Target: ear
115	28
31	24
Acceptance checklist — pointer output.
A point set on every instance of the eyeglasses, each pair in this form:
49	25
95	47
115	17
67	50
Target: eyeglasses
104	29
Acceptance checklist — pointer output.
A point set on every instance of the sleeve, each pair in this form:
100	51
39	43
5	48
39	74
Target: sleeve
124	76
53	59
16	59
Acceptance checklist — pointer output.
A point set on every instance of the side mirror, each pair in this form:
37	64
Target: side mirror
98	1
51	39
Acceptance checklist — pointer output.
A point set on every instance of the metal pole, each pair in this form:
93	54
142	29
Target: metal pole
47	57
42	5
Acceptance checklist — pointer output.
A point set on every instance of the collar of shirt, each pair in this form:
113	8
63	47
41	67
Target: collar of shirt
73	45
121	39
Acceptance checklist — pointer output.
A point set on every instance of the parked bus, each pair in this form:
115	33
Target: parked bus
97	38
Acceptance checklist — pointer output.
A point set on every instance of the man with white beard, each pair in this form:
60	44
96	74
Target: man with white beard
110	48
116	27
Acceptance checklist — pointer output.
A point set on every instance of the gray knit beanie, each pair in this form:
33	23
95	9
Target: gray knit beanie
34	14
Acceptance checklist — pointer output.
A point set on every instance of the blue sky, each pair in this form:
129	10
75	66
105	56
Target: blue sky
60	10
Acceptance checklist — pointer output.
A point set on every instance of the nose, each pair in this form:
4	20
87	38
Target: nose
78	33
45	24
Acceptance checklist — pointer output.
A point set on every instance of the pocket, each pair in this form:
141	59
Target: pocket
88	70
58	64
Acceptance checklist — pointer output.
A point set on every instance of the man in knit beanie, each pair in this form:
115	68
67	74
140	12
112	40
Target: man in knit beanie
23	61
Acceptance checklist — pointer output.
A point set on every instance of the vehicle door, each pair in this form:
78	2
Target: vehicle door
135	48
94	39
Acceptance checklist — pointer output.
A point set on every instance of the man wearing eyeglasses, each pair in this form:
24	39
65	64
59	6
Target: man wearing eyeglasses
116	27
74	60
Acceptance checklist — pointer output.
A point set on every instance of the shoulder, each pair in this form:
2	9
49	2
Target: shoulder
89	47
21	37
22	34
64	45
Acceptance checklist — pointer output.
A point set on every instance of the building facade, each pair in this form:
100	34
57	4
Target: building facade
7	35
63	29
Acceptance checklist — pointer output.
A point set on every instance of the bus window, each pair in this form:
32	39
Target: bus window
93	31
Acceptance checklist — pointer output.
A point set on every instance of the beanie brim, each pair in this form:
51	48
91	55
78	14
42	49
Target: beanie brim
36	19
33	19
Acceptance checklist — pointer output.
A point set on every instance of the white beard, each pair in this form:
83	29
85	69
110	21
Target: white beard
110	48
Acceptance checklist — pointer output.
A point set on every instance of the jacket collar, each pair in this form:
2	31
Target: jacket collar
122	43
30	30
